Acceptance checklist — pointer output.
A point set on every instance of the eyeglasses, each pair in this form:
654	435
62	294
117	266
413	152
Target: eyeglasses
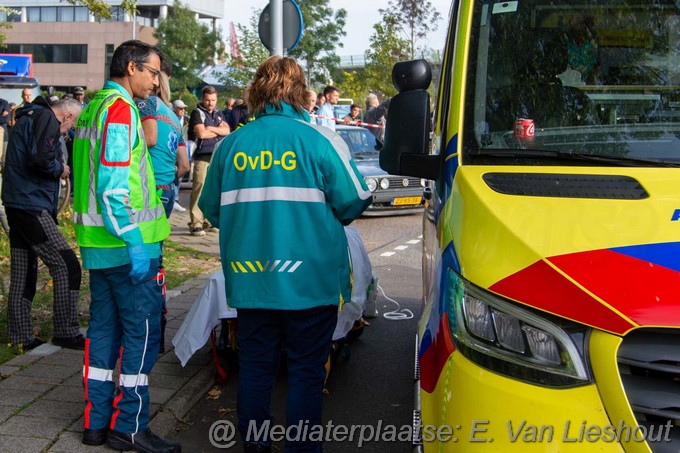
154	72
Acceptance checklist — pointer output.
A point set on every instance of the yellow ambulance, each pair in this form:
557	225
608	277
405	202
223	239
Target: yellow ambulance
551	258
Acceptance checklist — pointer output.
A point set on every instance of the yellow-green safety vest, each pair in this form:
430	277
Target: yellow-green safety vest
148	212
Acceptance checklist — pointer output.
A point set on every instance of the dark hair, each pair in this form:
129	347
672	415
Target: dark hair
277	80
354	106
132	50
208	90
330	89
166	67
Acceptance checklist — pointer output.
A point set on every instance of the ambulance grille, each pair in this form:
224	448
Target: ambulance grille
566	185
649	365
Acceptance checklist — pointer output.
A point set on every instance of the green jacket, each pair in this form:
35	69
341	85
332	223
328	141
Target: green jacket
280	189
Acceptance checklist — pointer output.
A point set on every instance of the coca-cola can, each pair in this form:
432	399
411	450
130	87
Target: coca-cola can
524	128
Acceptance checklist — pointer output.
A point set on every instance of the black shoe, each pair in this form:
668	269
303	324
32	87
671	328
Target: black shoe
34	343
95	436
144	441
77	342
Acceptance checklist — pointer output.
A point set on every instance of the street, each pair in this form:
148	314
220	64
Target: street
373	386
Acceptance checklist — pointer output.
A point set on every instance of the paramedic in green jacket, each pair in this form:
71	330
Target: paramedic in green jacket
120	223
280	189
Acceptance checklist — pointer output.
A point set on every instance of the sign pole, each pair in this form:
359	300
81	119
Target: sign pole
276	11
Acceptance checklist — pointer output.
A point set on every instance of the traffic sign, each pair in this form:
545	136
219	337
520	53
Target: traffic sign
292	25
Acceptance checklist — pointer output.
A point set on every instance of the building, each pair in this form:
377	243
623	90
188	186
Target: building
71	48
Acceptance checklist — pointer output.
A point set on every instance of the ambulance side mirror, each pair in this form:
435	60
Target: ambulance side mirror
407	134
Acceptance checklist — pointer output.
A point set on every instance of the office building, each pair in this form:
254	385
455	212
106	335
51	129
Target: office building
70	47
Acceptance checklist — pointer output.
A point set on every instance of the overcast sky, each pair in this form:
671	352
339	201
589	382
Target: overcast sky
361	15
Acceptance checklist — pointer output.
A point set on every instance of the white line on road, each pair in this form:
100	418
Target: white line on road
413	241
387	254
401	247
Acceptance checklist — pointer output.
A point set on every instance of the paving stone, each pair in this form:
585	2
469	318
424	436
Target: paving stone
16	399
71	442
30	383
75	381
71	394
174	369
160	395
19	425
50	371
23	444
63	410
168	382
65	357
44	350
22	360
6	370
5	413
174	324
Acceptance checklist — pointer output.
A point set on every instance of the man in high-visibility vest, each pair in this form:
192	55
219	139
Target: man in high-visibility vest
120	223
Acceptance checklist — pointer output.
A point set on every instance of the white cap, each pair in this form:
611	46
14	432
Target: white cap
179	104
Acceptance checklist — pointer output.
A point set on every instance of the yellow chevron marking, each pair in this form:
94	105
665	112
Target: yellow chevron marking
240	266
259	266
250	265
233	266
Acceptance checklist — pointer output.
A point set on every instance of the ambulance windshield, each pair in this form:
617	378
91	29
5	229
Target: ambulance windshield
600	78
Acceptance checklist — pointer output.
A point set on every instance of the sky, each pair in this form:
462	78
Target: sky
361	15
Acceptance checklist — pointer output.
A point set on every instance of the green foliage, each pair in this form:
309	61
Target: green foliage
188	44
102	10
322	34
386	48
414	19
241	70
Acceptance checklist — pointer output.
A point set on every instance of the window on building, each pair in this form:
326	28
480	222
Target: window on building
52	53
108	56
13	14
81	14
33	14
65	14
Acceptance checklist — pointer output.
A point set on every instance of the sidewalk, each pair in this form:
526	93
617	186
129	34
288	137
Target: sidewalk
41	392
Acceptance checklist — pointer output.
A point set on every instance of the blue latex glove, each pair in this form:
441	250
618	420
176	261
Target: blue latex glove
140	263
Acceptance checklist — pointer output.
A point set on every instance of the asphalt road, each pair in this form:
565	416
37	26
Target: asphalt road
371	387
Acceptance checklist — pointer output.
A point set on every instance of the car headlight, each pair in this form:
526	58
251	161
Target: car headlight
513	341
372	184
384	184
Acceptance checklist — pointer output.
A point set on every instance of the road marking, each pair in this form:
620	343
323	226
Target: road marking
413	241
387	254
401	247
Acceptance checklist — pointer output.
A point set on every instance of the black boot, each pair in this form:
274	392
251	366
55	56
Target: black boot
95	436
144	442
164	321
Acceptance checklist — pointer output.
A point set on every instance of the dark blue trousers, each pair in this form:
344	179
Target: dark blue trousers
124	324
306	336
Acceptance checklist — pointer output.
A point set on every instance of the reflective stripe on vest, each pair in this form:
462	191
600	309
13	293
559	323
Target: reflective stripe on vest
89	225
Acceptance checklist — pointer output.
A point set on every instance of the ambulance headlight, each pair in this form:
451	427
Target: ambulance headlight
515	341
372	184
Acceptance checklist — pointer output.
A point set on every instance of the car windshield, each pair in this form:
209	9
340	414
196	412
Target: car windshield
361	143
575	78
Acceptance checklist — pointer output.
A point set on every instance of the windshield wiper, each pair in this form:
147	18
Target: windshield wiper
570	155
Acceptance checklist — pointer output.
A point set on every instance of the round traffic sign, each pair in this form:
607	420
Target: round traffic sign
292	25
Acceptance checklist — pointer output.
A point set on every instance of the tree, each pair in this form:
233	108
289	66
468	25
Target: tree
101	10
241	69
386	48
189	45
415	19
323	30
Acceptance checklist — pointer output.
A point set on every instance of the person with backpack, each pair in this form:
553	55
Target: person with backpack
207	126
34	166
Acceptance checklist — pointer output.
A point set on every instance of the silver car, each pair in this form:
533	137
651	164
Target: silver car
391	194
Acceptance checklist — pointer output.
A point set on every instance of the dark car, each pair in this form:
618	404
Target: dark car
391	194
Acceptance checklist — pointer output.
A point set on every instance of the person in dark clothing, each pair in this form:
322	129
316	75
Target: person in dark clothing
4	120
239	115
34	166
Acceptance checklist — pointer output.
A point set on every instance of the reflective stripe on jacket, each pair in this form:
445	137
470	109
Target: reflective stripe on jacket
115	201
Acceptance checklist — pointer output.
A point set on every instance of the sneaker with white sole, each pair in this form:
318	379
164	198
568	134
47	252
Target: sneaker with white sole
178	207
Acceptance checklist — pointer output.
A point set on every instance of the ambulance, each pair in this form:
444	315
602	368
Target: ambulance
551	244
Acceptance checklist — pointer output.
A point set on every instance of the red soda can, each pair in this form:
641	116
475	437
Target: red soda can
524	128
